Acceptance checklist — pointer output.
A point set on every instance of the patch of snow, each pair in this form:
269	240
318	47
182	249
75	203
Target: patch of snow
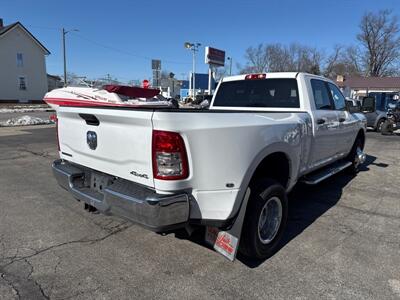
395	286
24	109
25	120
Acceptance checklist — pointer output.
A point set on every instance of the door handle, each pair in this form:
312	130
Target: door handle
321	121
341	120
90	119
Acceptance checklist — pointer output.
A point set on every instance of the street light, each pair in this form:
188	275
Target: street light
194	47
64	32
230	65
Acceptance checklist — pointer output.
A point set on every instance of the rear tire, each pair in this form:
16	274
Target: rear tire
265	220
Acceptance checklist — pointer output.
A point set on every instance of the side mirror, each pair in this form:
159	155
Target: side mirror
353	109
352	106
368	105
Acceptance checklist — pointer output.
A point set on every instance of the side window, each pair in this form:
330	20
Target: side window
337	96
22	83
321	94
379	103
20	60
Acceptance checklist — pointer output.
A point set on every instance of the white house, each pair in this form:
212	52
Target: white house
23	76
358	87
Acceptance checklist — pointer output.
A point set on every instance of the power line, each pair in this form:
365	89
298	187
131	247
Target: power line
124	51
130	53
42	27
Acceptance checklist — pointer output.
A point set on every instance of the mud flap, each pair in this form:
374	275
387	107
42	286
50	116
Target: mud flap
227	242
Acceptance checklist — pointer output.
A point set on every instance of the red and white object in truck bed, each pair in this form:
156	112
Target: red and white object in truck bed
108	95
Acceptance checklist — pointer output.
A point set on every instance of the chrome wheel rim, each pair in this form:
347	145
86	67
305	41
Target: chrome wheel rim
380	125
360	157
269	220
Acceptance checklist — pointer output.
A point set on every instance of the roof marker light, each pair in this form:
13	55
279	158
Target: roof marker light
255	76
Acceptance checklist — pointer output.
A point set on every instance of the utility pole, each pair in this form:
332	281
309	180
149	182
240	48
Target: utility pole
64	32
194	74
194	47
65	58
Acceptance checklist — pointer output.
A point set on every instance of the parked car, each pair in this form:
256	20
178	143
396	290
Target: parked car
383	100
228	167
393	119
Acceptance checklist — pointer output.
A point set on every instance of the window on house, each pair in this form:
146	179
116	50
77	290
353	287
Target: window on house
20	60
22	83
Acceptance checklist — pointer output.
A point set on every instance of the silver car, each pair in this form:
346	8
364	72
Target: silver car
382	100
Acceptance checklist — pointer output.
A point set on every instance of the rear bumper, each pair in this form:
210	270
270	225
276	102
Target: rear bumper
125	199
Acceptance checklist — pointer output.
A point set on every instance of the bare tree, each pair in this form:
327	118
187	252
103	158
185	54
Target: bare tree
342	61
220	72
257	59
281	58
333	61
378	53
380	43
306	59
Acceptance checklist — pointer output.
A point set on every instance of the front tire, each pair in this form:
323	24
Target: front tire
378	127
265	221
387	128
354	156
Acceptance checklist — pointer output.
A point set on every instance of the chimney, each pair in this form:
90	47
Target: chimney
340	78
1	23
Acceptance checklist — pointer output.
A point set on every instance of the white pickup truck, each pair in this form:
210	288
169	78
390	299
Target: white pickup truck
228	166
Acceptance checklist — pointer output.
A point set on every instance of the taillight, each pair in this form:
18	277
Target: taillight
169	156
255	76
55	120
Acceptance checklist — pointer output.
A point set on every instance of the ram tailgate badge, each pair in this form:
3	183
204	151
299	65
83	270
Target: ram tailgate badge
91	139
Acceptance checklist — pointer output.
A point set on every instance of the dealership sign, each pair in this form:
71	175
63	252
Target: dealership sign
215	56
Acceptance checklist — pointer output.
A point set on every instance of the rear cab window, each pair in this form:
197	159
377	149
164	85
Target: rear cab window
261	93
320	91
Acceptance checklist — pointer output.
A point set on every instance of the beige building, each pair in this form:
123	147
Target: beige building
358	87
54	82
23	76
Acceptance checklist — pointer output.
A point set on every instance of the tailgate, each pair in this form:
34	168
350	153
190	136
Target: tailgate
118	144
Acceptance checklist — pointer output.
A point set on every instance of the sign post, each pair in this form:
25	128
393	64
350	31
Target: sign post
210	73
156	67
213	57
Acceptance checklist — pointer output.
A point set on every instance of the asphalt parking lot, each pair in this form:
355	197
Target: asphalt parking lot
343	239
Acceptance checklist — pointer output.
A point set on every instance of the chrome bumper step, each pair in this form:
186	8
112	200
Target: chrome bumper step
157	212
324	173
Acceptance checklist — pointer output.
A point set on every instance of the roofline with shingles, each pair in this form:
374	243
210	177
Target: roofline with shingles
7	28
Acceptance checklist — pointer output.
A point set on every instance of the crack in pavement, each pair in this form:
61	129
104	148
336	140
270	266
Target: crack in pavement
40	154
82	293
15	280
30	278
11	285
54	273
80	241
368	212
13	158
